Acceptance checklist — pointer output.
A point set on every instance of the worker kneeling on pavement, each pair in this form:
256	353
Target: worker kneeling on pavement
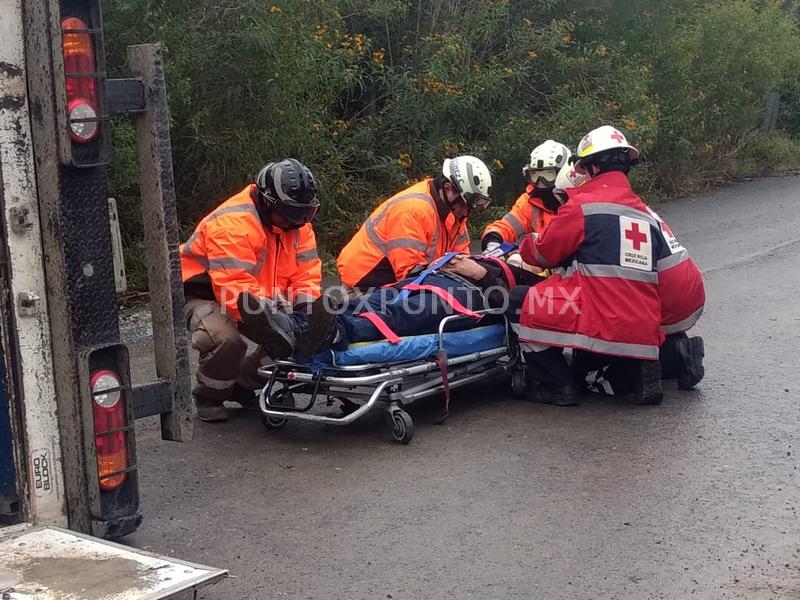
682	292
413	227
261	242
603	297
537	205
455	284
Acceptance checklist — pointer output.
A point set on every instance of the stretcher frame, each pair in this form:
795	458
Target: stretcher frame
392	386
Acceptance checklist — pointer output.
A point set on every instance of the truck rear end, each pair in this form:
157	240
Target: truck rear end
71	103
68	467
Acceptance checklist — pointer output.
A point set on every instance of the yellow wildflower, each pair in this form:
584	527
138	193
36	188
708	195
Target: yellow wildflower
404	159
436	86
449	148
275	10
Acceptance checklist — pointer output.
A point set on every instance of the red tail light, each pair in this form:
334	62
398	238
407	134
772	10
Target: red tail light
108	407
79	68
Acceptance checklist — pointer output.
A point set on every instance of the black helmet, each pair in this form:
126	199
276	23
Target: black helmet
289	188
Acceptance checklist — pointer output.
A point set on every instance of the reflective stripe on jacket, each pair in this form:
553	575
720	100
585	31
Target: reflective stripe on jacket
405	231
232	248
603	295
528	215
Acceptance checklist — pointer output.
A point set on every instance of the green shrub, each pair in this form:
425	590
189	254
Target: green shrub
761	154
372	95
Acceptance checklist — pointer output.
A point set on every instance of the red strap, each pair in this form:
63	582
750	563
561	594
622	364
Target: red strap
381	326
441	361
512	281
444	295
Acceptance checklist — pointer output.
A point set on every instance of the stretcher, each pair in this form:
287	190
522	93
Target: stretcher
391	376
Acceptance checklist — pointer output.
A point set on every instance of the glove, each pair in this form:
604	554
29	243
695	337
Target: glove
515	260
491	238
490	247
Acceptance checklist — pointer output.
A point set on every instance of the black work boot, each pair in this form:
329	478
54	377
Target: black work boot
551	379
670	357
263	323
692	351
647	386
321	327
559	395
210	410
248	399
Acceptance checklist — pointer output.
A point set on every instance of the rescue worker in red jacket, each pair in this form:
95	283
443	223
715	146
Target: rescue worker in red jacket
682	291
259	241
603	297
410	229
537	205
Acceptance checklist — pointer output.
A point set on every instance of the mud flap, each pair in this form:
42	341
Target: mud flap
51	563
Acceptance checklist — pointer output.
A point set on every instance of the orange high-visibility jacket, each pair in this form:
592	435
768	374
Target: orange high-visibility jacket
232	251
402	233
528	215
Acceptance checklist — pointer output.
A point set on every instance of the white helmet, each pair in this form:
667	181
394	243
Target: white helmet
568	178
472	179
603	139
546	160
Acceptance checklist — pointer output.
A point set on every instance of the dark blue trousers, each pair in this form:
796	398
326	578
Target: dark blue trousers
417	313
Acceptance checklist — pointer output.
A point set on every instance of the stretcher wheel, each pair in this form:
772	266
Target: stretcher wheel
518	384
402	426
273	422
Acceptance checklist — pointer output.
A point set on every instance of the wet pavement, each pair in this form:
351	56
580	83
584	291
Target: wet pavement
697	497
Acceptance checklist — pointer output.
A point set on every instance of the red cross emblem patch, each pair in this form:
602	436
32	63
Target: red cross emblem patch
635	247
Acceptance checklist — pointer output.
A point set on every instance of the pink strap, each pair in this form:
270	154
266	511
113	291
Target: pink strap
512	281
381	326
444	295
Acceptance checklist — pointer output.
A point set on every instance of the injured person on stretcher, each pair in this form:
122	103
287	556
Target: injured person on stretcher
454	284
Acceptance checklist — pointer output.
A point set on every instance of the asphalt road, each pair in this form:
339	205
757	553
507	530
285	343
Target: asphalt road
697	497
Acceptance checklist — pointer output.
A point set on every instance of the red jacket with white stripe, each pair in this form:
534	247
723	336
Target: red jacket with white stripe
603	245
680	283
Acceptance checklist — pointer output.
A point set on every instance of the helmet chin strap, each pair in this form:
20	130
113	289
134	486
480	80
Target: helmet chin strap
452	205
